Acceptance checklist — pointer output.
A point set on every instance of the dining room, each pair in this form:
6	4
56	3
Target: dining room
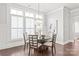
38	29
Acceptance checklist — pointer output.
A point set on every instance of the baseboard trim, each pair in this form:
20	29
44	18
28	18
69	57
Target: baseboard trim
11	44
64	42
68	41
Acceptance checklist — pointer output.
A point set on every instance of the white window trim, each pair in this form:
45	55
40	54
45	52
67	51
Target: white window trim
24	17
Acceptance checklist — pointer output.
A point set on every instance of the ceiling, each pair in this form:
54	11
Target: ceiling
46	7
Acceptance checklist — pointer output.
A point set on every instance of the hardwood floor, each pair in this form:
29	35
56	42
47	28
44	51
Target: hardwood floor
70	49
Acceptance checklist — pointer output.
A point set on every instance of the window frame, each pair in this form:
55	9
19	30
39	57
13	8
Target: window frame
24	23
11	23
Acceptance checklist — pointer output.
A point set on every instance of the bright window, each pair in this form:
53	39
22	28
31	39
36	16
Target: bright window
30	24
76	27
28	14
16	12
23	21
16	24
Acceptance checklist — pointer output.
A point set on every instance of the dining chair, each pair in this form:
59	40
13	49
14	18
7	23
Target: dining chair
51	43
33	43
26	42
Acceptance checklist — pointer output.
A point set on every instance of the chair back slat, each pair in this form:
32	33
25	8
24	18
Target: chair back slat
53	38
33	41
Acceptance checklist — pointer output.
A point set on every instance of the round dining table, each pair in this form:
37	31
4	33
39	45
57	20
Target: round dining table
42	47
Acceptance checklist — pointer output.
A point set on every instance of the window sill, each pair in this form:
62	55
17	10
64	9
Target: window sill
15	40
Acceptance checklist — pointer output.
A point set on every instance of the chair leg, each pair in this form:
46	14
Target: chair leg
27	45
36	52
24	48
52	51
29	51
55	49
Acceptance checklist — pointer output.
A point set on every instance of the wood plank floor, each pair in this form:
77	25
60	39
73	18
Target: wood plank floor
70	49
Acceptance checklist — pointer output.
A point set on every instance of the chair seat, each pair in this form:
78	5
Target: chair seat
35	45
49	44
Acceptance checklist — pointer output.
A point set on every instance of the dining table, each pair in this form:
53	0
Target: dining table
42	41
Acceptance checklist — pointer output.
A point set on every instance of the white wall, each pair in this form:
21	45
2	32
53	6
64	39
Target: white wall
3	24
67	25
51	19
75	17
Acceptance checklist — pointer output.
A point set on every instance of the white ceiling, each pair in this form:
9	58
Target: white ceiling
46	7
